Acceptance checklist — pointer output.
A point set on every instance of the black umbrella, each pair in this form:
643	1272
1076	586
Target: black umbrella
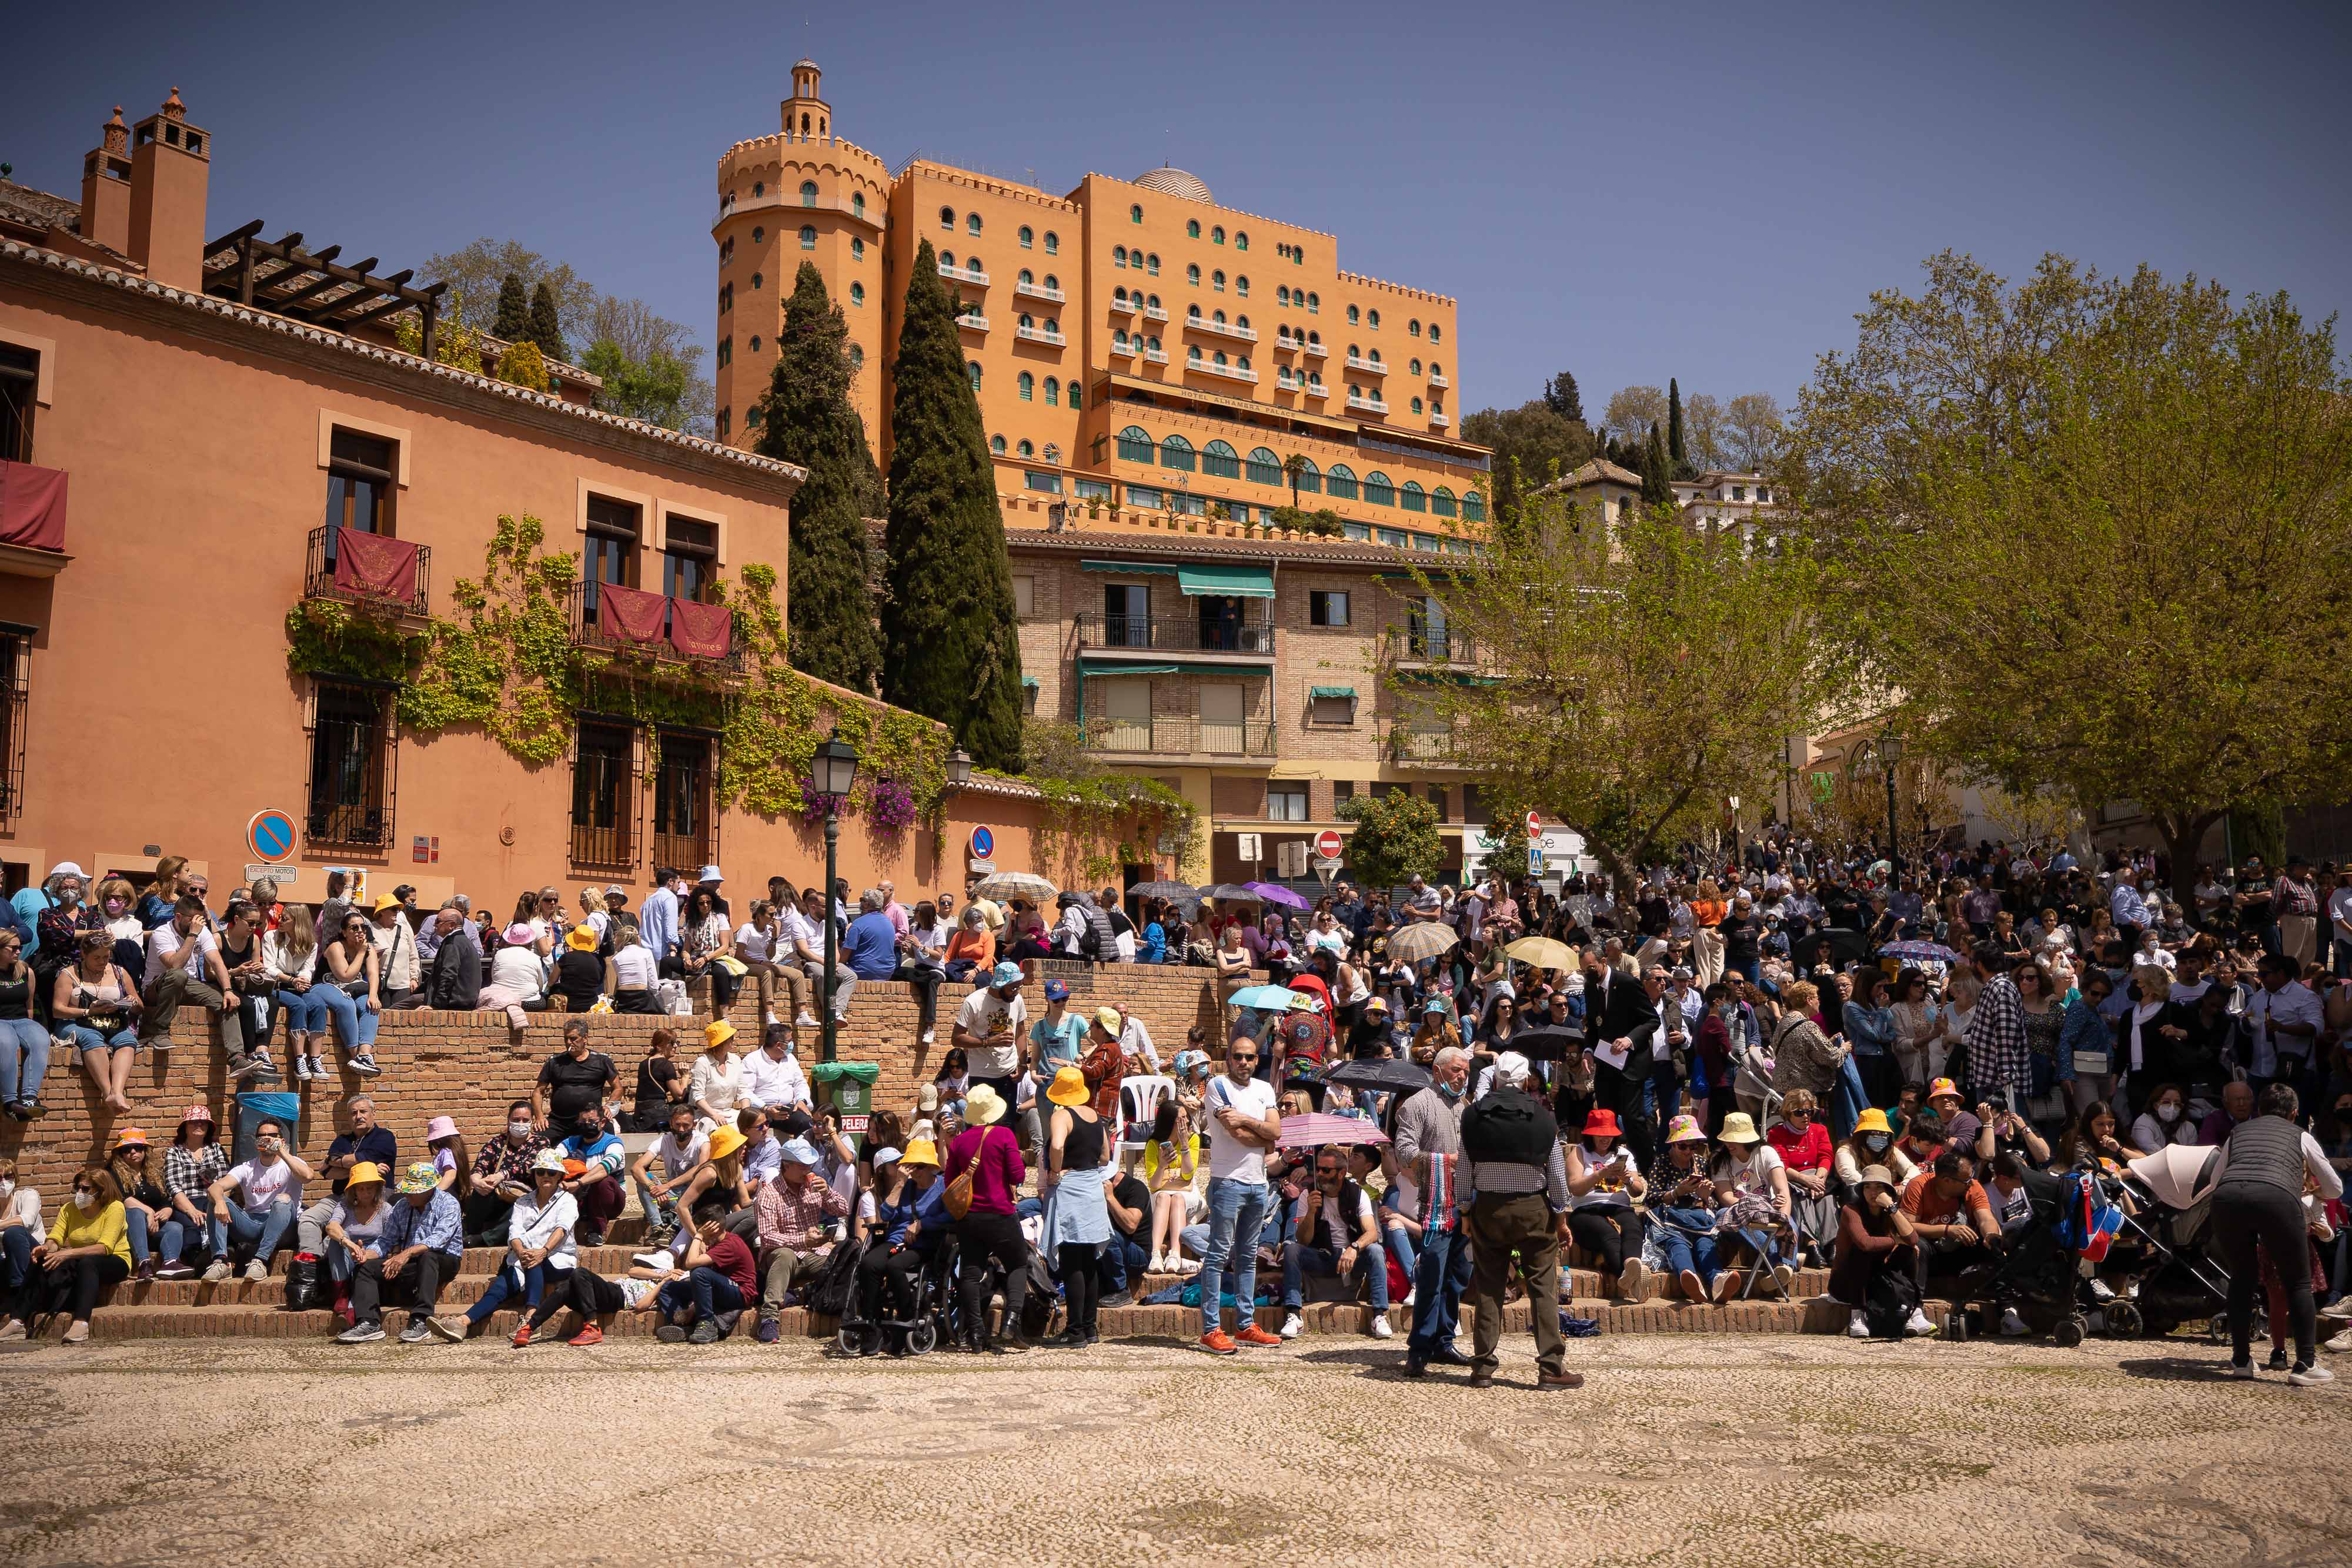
1393	1074
1182	891
1545	1043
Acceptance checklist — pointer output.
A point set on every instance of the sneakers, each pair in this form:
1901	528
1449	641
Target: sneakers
1256	1336
2302	1376
769	1332
2011	1325
417	1332
241	1067
1785	1275
2341	1342
1382	1328
13	1329
261	1061
705	1332
1694	1287
1634	1284
1730	1283
317	1065
364	1065
2243	1371
929	1036
1188	1267
176	1271
664	1258
589	1334
257	1270
1856	1327
1012	1344
78	1332
216	1271
2278	1361
146	1270
1216	1342
670	1333
521	1340
1919	1326
1158	1265
807	1019
452	1329
360	1333
1293	1325
2101	1291
301	1068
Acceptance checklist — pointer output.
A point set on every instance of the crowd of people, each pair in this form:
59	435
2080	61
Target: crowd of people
1696	1085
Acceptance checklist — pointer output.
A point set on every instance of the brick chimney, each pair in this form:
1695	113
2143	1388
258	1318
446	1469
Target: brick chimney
171	164
106	187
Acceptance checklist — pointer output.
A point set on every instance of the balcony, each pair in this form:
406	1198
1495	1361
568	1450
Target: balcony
1437	416
1154	313
1123	634
1127	346
629	622
1374	367
964	274
370	570
1221	329
1038	290
1366	404
1231	372
32	520
1041	335
1179	736
1316	389
1315	350
1421	648
1437	379
1124	306
974	322
1156	355
1421	745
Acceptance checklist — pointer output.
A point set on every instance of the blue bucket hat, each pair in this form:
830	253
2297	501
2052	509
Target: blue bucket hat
800	1151
1004	975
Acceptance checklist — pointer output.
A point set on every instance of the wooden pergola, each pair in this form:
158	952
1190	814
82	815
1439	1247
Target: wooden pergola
280	276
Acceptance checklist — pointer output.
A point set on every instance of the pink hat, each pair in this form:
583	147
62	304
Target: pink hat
521	936
441	1127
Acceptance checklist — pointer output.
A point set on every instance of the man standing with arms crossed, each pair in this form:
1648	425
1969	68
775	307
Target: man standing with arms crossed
1511	1144
1242	1124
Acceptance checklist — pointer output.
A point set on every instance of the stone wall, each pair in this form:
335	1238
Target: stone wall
464	1065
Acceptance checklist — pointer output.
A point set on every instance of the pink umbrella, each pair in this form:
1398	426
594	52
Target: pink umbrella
1313	1129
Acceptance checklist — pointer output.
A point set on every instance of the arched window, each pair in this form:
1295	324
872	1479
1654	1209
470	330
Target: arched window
857	206
1135	215
1072	392
1027	320
757	281
757	233
1240	285
753	415
1151	264
1354	353
1314	304
1027	237
1118	338
1355	318
1281	294
856	358
1474	507
1028	276
1154	344
1415	498
972	369
1316	339
1219	460
971	224
858	294
857	249
972	264
1354	390
947	259
1413	325
1176	452
755	343
1311	479
759	189
1217	280
808	193
1052	281
1432	331
1052	453
1375	357
1119	255
1241	239
1436	368
1026	449
1192	312
1217	235
1220	356
808	236
1340	482
1151	302
1220	317
1241	362
1378	490
1053	243
1416	405
996	445
1372	320
1052	391
1416	367
1193	276
947	219
1026	386
1264	467
1441	501
1192	228
1192	354
1242	321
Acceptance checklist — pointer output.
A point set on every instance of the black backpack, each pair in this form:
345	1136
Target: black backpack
1099	941
1509	1126
836	1281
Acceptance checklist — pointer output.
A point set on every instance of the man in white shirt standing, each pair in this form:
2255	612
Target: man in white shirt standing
2284	1019
992	1028
657	917
1242	1124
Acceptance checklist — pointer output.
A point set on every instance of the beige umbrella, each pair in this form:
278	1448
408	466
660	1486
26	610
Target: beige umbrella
1543	952
1422	939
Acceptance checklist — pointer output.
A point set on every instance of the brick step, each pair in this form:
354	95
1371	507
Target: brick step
1581	1283
1169	1322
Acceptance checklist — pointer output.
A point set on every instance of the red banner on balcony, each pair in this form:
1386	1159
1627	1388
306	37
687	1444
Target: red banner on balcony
701	631
32	506
378	567
629	614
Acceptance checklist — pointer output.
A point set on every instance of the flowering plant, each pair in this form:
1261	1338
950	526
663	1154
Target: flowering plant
889	805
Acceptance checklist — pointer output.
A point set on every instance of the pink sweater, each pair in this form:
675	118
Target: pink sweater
1001	1172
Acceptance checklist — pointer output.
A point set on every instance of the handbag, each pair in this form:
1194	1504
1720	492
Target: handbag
305	1287
2093	1063
957	1200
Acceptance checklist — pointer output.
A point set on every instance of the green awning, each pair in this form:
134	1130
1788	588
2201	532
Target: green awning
1091	667
1028	680
1129	568
1348	692
1190	667
1239	581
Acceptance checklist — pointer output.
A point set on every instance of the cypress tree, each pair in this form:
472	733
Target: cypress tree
806	419
950	647
545	329
1656	467
513	321
1676	449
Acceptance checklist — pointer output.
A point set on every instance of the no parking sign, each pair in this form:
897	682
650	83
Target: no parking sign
270	836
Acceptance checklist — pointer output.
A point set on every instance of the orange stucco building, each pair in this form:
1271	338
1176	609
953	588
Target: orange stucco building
1136	346
198	436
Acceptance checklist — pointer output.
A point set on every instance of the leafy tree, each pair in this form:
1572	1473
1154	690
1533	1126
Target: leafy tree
2092	528
1704	431
1678	449
1657	468
1396	838
1560	396
1752	430
1633	410
1639	674
1322	521
805	418
655	390
523	365
950	645
513	322
478	273
1534	445
546	326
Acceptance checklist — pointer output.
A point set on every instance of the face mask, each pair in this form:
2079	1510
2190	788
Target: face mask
1875	1142
1452	1091
2168	1113
84	1199
7	1189
114	906
518	1129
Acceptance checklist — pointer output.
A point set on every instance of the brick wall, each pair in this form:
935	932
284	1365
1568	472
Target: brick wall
463	1065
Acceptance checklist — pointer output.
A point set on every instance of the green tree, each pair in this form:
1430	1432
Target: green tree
806	418
1294	467
1752	430
1396	838
1657	469
1631	412
1560	396
513	321
523	365
2092	528
1677	444
1534	445
950	645
546	325
1634	676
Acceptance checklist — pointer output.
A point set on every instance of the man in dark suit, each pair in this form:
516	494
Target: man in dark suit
1630	1019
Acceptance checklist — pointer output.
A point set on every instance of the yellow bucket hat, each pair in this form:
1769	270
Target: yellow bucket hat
1069	1087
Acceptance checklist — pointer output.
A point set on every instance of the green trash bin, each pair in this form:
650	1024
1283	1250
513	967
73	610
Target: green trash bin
849	1085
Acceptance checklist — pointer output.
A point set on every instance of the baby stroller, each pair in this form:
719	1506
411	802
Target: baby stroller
925	1321
2039	1275
2180	1281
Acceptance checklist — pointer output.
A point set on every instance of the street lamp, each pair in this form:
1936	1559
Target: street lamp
834	770
1732	802
1890	751
958	769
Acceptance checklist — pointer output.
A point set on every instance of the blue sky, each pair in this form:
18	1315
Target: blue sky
1706	189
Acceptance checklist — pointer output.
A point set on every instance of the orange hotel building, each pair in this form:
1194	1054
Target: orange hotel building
190	426
1147	360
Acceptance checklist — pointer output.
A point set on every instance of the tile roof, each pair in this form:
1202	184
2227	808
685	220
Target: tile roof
37	208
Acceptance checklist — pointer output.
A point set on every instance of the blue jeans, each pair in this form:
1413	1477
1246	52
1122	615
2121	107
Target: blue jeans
262	1233
1298	1260
134	1221
16	1264
707	1290
1442	1274
174	1240
1236	1215
657	1210
1687	1238
88	1038
22	1042
306	1011
1400	1246
502	1285
354	1024
1117	1262
1848	1101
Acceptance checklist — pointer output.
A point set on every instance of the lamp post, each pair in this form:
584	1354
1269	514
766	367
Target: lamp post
1732	802
1890	751
834	769
959	767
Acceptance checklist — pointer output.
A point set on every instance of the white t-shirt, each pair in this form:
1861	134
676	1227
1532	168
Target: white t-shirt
1229	1158
533	1225
677	1158
634	968
757	945
259	1185
165	941
984	1015
517	970
2339	910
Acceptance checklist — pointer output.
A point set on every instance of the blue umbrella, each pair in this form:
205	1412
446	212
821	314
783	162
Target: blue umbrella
1265	999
